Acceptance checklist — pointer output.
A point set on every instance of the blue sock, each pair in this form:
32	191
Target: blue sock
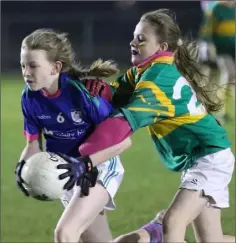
155	231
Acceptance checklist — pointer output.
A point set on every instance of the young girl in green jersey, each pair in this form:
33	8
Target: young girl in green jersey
166	92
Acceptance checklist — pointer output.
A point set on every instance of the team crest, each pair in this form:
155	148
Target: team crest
76	116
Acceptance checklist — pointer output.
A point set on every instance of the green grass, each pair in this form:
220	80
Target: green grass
147	187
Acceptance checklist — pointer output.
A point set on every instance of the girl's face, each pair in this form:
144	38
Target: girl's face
144	44
38	72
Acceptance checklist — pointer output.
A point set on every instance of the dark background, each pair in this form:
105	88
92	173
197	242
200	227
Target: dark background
97	29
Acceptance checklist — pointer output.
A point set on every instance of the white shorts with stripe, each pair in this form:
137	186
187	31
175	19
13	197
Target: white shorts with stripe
110	176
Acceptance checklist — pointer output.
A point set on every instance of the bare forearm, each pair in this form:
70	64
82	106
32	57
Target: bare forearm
29	150
103	155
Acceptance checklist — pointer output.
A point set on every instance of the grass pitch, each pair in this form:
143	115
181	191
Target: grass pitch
147	187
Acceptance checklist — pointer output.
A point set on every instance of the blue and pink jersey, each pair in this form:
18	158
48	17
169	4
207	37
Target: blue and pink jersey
66	118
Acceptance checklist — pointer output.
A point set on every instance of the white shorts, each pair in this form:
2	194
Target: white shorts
211	175
203	50
110	176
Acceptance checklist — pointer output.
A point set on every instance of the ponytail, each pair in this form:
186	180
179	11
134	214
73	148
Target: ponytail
167	31
98	68
186	60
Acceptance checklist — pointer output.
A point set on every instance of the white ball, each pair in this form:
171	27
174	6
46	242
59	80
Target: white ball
41	176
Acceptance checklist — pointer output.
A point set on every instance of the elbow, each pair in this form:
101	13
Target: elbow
128	142
124	145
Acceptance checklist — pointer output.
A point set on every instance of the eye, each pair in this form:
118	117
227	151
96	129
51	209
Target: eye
33	66
140	38
22	65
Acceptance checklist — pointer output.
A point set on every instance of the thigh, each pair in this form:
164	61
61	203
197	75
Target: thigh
185	207
82	211
99	230
207	226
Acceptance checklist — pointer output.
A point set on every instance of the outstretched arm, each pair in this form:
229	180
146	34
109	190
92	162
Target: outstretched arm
117	92
110	138
105	154
144	109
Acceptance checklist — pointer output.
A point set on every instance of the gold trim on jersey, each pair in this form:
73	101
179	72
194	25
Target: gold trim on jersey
144	109
115	84
130	77
162	59
142	98
160	96
165	127
226	27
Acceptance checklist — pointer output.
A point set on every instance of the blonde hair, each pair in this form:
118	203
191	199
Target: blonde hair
59	48
186	56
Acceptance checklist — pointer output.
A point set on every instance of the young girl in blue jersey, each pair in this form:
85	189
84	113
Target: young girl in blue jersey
160	58
56	103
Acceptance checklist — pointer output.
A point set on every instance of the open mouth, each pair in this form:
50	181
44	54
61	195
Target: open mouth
134	52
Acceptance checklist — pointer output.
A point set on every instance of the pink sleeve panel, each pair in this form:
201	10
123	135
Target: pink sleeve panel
108	133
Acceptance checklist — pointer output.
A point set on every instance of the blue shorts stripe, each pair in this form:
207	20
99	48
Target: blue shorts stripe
111	170
113	174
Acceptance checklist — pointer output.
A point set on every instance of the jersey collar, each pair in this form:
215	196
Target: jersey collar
165	57
62	79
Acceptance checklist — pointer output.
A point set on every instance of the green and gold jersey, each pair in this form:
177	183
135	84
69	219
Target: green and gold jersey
123	88
206	29
223	28
158	97
206	25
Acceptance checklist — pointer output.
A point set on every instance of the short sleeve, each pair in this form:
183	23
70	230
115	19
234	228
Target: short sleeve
123	87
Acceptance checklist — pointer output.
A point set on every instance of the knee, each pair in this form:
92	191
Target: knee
63	234
168	223
129	238
173	222
60	235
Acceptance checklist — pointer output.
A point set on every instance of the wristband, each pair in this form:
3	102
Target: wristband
88	163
